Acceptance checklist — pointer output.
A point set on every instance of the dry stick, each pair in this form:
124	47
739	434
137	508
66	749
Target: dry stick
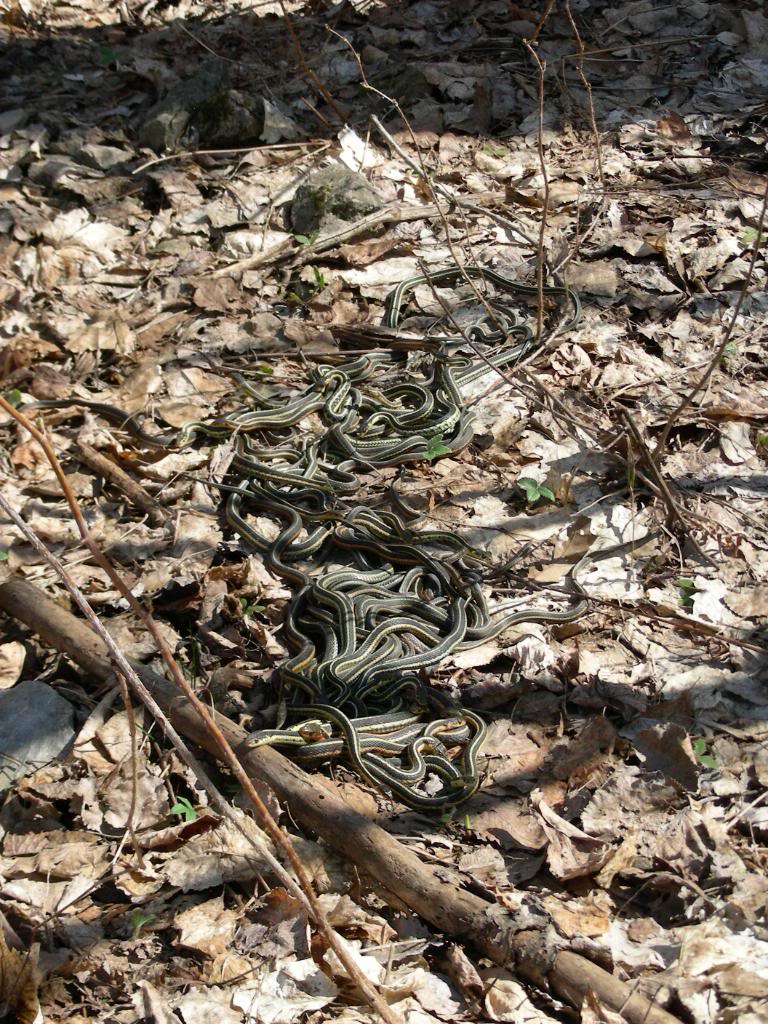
644	45
603	200
221	56
688	399
674	512
436	187
637	607
588	90
290	247
126	673
438	190
420	169
542	20
529	44
224	749
319	86
223	152
521	940
141	498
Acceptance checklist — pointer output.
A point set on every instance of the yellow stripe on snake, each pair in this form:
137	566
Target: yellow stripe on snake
377	604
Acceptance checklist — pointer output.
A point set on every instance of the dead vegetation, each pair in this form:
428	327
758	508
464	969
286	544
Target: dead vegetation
621	819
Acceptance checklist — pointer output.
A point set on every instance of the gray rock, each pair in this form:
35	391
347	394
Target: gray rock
167	121
330	198
229	118
35	728
104	157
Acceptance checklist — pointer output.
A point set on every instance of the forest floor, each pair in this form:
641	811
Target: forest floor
624	774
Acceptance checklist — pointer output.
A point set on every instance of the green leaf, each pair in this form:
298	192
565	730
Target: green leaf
184	809
762	440
534	491
107	55
13	398
436	448
545	492
700	750
3	554
687	589
748	235
303	239
139	918
730	349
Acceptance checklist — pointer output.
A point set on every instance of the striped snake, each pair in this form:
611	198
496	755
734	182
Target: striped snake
377	604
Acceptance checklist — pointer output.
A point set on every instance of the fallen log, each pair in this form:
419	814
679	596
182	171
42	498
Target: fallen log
525	941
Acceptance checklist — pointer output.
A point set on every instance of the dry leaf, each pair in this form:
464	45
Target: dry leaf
19	984
12	655
207	927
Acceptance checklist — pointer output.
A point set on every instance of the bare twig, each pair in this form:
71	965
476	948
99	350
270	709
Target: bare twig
542	21
289	247
687	400
319	86
309	144
126	673
420	168
588	90
227	754
637	607
529	45
440	190
674	512
647	44
133	490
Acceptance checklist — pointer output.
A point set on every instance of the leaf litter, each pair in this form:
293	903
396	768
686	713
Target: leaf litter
625	770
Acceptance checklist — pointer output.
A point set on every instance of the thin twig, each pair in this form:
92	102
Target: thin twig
319	86
529	45
126	673
259	68
588	90
224	152
687	400
637	607
460	201
542	21
674	512
114	474
289	247
421	169
648	44
227	754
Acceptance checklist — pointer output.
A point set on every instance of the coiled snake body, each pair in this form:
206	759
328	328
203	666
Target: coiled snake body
377	603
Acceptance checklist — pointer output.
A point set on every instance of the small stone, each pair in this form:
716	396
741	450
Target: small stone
35	728
103	158
229	118
167	121
331	197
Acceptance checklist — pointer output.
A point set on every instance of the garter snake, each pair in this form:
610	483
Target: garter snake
377	605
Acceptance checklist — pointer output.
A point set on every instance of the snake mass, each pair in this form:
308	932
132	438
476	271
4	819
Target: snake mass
377	603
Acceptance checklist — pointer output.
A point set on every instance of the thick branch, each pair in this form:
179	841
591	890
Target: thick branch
524	939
